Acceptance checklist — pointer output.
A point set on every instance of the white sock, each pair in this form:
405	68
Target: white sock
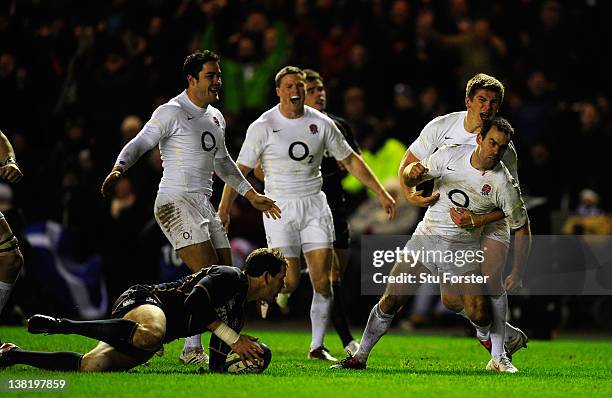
511	331
193	342
498	328
482	332
319	315
5	292
378	324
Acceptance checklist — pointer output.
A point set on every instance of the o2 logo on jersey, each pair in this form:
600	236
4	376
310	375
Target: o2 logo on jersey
314	129
299	151
459	198
486	190
208	141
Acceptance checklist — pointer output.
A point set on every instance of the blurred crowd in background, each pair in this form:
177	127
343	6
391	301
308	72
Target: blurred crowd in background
79	79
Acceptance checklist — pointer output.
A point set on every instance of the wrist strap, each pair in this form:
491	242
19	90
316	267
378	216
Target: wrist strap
226	334
9	160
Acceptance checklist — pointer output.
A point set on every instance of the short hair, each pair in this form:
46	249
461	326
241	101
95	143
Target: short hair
262	260
483	81
288	70
193	63
500	124
312	75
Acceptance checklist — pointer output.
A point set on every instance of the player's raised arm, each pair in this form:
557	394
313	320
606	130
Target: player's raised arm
8	167
356	166
410	193
144	141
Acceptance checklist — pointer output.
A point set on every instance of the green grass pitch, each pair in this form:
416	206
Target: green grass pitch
400	365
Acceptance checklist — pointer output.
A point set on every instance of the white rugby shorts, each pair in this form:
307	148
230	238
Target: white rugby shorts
304	220
499	231
434	252
189	218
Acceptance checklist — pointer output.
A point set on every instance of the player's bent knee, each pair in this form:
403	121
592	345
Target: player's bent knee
94	363
290	285
390	304
322	286
453	303
478	313
148	338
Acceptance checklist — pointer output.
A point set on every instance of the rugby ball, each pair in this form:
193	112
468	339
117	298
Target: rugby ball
234	365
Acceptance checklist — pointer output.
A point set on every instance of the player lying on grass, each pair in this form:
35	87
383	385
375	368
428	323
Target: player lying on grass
147	316
465	178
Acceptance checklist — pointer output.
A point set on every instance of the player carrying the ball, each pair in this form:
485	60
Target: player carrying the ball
465	178
147	316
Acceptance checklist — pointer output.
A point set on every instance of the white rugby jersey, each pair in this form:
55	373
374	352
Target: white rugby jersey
291	150
461	185
189	138
447	130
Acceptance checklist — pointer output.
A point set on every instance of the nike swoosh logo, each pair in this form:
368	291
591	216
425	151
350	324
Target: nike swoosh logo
448	138
276	131
448	168
189	118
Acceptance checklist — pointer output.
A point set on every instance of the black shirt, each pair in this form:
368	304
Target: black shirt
225	290
332	175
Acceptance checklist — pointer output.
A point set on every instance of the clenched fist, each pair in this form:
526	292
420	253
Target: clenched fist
413	174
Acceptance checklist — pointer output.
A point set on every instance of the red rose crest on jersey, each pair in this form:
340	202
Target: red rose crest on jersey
314	129
486	190
216	121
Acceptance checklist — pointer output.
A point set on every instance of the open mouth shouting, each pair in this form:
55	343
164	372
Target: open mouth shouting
295	99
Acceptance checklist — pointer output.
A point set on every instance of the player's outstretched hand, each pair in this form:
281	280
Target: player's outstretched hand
10	172
464	218
388	203
247	348
416	198
266	205
110	181
513	282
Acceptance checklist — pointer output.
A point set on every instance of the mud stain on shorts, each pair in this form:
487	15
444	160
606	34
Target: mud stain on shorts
169	216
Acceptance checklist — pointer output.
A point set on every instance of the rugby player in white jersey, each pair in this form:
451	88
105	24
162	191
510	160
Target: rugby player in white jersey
332	174
290	140
190	133
483	97
466	178
11	258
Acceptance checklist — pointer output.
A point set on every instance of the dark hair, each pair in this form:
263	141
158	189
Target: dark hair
500	124
193	63
262	260
288	70
312	75
484	82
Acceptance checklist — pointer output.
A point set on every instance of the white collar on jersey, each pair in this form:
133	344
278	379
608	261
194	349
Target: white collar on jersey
189	106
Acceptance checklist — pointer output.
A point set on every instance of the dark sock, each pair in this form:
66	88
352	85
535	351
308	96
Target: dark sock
116	332
67	361
338	317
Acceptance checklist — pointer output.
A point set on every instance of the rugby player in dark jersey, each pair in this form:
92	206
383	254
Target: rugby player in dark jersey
147	316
